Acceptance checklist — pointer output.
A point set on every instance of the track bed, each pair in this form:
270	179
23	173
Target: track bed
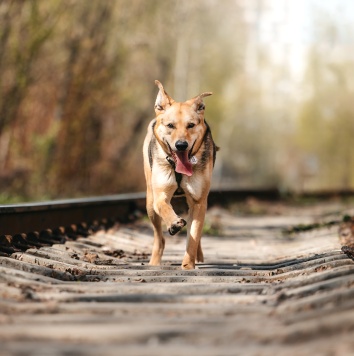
259	292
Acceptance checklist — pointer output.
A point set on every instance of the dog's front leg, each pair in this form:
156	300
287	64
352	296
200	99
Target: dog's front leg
194	252
163	207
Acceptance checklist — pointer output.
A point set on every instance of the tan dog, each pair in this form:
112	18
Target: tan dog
179	155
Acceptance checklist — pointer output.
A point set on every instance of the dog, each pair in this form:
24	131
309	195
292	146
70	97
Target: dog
179	156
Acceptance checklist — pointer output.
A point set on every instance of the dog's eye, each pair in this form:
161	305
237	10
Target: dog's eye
159	107
170	126
190	125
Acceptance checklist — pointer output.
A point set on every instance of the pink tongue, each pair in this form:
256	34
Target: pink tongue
183	165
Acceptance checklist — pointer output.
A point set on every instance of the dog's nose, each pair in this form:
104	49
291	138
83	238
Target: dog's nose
181	145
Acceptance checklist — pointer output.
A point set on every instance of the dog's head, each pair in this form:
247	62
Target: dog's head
180	127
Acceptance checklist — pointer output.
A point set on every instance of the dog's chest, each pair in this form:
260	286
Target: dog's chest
193	185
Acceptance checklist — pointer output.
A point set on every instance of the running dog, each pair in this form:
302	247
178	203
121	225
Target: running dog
179	156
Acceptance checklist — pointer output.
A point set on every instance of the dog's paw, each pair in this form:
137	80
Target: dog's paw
188	265
177	226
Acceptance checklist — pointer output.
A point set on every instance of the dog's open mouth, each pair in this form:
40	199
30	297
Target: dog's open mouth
182	162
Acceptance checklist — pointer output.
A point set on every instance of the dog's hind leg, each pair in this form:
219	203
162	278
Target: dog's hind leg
159	240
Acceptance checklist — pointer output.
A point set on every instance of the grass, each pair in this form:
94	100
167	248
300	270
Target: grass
6	198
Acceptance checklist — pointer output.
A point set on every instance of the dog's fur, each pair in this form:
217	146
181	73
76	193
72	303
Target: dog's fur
183	122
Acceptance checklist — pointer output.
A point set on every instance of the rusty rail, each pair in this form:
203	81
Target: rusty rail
38	216
29	217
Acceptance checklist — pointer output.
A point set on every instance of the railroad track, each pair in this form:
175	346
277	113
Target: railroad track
86	289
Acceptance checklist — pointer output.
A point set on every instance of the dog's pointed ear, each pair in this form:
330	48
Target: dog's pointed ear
163	100
198	102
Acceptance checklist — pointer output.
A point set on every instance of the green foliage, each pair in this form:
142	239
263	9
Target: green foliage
326	122
6	198
77	92
212	228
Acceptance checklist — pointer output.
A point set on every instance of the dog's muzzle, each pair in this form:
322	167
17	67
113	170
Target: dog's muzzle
181	145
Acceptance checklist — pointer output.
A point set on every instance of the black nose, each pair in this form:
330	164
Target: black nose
181	145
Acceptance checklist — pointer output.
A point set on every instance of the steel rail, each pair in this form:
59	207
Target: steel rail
38	216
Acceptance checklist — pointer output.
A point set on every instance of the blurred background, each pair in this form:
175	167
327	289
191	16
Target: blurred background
77	91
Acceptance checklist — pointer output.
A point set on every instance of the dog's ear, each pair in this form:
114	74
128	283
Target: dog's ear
163	100
197	102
